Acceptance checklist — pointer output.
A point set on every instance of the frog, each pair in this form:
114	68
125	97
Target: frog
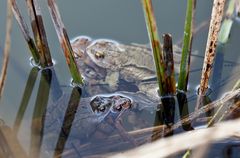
106	61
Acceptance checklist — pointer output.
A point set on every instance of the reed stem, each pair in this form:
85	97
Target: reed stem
25	31
216	18
187	46
7	47
155	43
39	33
169	64
227	23
64	41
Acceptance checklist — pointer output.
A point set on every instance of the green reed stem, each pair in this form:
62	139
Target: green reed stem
25	31
155	43
187	154
64	41
187	45
226	26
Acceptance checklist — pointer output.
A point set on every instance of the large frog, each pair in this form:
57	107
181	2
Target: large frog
107	61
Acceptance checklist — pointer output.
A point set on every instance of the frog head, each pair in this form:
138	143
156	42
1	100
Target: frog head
104	53
103	104
79	45
88	68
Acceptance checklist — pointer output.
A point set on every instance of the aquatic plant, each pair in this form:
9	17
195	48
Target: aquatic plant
155	44
215	24
187	46
64	41
39	33
6	47
25	31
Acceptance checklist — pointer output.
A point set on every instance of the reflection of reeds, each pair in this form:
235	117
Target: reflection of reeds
9	144
25	98
215	23
38	113
6	47
68	120
64	41
155	42
25	31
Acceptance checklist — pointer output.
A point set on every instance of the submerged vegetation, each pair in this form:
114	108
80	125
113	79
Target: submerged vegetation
78	123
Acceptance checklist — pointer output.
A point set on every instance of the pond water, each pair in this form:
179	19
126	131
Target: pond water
122	21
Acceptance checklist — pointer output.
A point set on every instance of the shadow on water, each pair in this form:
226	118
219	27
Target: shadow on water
68	120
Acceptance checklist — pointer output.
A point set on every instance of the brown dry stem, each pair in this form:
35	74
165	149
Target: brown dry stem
6	47
215	24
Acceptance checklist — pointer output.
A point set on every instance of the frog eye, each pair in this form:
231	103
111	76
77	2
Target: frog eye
101	108
99	55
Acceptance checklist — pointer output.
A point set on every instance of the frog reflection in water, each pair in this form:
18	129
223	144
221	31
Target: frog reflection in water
105	61
95	118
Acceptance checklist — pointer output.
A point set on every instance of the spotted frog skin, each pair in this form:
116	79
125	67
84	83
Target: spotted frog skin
110	61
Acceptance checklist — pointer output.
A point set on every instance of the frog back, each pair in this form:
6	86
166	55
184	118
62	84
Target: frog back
114	56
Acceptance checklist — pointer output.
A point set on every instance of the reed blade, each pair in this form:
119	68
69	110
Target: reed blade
64	41
169	64
39	33
25	31
226	26
7	47
215	23
187	46
155	43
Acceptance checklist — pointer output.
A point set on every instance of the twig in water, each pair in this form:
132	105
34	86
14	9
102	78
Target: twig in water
6	47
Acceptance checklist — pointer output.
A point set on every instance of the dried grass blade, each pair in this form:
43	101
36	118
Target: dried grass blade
64	41
6	47
215	23
39	33
171	145
25	31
